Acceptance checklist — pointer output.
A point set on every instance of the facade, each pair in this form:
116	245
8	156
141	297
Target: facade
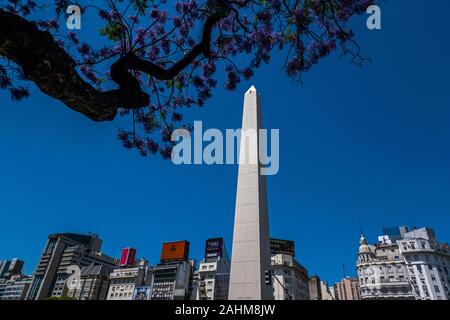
347	289
404	265
4	265
93	283
9	268
61	251
173	277
326	291
251	247
315	288
213	275
291	281
123	281
171	280
382	272
15	288
428	264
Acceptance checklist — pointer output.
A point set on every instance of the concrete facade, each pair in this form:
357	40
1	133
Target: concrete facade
124	281
93	283
171	280
15	287
213	279
428	264
315	289
251	246
291	275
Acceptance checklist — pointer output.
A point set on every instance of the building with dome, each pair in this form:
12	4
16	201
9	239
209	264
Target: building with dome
382	272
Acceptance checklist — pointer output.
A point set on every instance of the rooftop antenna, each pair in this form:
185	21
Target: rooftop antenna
360	226
343	269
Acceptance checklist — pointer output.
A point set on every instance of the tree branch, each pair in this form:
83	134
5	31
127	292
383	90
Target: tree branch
53	70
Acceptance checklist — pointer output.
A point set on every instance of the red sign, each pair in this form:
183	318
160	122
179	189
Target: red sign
128	256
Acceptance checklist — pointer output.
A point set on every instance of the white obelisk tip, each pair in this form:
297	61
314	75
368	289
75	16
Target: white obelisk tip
251	90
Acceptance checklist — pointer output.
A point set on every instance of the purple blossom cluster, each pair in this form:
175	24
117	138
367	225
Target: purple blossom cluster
164	33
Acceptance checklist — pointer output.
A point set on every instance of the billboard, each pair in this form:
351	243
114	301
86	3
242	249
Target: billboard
141	293
214	248
128	256
278	246
173	251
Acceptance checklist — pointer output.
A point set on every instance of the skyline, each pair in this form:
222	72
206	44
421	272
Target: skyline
374	150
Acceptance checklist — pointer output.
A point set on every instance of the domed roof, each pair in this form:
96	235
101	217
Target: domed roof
363	246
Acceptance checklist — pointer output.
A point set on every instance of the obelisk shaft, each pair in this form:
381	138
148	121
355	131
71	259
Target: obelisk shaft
251	247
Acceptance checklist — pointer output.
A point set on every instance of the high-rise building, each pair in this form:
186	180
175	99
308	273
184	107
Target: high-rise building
93	283
251	248
61	251
125	280
213	274
173	276
382	272
428	264
347	289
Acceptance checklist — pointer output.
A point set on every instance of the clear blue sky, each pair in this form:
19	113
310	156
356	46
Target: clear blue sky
369	144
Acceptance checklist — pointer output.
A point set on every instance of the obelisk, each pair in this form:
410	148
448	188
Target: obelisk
251	246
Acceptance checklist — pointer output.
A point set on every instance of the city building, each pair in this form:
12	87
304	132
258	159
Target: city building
9	268
404	264
315	288
290	278
213	275
61	251
428	264
347	289
93	283
382	272
173	276
15	287
131	276
326	291
13	284
251	247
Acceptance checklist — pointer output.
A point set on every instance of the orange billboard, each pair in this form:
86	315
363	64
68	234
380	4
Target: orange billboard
178	250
